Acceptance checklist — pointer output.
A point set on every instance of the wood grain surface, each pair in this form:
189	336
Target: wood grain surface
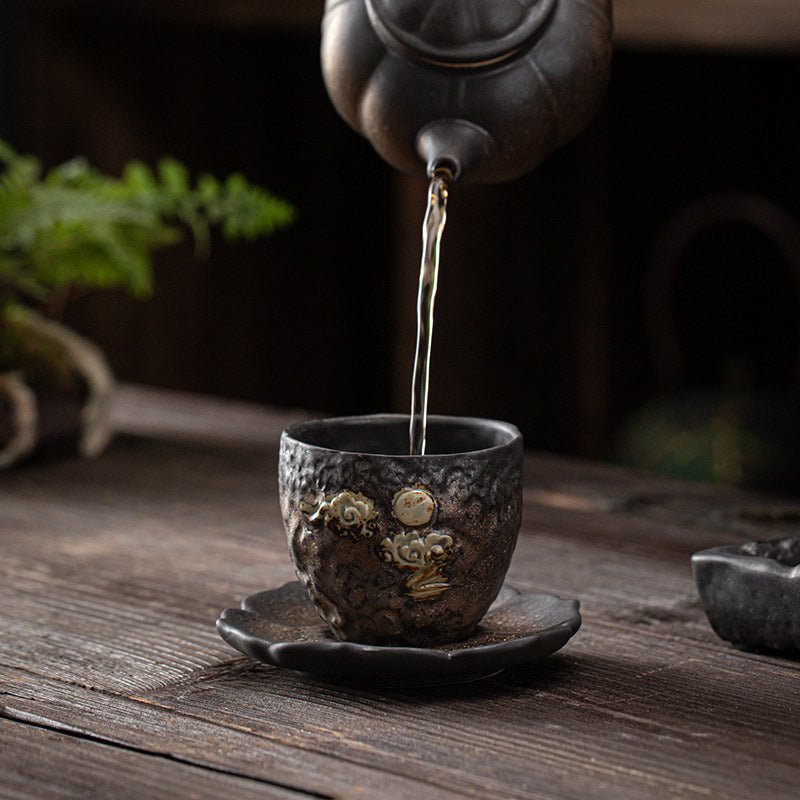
747	25
114	683
751	25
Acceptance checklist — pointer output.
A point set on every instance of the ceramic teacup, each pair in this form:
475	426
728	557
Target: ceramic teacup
394	548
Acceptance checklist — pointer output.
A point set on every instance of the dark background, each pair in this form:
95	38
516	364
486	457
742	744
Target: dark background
542	314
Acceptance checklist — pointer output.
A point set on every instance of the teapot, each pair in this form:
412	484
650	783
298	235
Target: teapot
482	88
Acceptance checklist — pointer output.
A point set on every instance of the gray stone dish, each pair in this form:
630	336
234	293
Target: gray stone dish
282	628
751	593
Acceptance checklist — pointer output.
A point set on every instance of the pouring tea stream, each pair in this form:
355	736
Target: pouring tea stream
474	90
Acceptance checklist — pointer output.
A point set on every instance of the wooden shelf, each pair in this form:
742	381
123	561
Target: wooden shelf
744	25
225	13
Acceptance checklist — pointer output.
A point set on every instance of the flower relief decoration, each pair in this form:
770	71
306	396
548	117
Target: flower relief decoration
351	514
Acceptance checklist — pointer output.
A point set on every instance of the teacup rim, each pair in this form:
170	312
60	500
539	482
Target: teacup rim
289	433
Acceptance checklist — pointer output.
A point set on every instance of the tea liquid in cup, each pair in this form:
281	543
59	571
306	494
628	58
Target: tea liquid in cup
399	548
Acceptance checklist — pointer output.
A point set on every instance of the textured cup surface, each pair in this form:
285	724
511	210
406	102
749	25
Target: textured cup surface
398	548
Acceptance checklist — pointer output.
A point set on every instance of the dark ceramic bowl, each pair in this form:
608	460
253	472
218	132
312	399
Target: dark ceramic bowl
751	592
394	548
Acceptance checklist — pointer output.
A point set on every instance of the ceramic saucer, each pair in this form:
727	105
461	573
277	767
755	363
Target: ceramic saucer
282	628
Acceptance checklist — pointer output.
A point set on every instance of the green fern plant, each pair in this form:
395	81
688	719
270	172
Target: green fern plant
75	227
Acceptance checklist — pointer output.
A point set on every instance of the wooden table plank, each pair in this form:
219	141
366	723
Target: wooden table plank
270	755
538	712
617	703
39	764
198	528
146	411
113	571
117	580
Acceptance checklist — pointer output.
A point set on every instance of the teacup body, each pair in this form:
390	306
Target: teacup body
394	548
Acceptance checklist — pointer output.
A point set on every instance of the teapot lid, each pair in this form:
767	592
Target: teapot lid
458	32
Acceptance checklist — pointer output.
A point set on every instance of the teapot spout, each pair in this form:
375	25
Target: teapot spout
454	146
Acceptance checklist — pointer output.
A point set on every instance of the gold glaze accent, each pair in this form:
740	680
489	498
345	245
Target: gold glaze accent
424	556
351	510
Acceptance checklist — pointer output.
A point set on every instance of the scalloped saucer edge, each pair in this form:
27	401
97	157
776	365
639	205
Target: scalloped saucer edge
282	628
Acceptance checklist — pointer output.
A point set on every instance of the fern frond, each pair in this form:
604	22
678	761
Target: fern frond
77	226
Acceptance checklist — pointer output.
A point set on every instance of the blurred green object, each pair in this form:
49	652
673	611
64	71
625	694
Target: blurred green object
745	439
76	227
741	432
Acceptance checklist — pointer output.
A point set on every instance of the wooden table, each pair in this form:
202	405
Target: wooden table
114	683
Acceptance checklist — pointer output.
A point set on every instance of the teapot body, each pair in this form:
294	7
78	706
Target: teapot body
492	104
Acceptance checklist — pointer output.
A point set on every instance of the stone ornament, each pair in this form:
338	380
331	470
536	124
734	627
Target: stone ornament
751	593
